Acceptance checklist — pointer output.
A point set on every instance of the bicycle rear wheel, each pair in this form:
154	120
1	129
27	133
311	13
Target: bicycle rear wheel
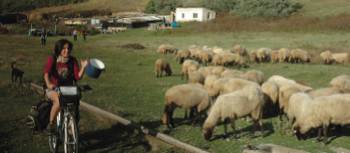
71	135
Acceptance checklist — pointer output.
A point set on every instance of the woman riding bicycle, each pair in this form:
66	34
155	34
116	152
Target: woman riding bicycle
61	69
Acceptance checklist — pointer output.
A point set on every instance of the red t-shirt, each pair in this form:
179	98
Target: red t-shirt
62	70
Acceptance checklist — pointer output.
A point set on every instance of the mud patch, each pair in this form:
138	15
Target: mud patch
132	46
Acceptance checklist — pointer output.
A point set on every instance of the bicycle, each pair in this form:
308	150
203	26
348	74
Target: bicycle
67	130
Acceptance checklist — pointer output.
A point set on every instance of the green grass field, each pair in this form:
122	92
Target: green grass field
128	86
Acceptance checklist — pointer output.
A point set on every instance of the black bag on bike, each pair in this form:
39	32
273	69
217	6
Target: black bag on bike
39	116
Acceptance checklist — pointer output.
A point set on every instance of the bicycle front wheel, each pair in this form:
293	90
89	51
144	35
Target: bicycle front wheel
71	135
54	138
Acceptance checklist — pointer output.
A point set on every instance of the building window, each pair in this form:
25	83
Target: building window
183	15
195	15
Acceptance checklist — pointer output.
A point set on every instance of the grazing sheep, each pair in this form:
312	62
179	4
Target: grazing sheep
253	75
322	112
274	56
299	56
231	73
253	56
160	66
270	90
166	48
235	84
248	101
326	57
286	92
341	82
205	57
298	103
208	70
341	58
186	96
238	49
195	77
263	54
188	66
283	55
182	55
324	92
209	81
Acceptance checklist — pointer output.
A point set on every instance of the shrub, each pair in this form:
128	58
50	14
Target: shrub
266	8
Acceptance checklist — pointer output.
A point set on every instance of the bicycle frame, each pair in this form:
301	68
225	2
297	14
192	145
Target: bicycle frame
66	123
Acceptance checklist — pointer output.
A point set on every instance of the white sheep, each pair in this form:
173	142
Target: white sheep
321	112
283	55
187	96
248	101
166	48
326	57
341	82
341	58
182	55
161	66
195	77
188	66
274	56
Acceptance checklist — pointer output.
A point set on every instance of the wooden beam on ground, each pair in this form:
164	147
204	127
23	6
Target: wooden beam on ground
170	140
270	148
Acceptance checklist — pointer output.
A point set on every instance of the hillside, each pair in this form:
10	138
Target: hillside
322	8
112	5
314	8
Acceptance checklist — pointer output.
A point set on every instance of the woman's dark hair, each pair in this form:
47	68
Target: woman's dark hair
60	45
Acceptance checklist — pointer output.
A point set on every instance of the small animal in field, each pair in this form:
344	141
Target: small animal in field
16	74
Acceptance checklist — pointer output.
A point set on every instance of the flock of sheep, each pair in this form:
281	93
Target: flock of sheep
224	95
238	55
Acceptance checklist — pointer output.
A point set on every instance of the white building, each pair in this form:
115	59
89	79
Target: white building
194	14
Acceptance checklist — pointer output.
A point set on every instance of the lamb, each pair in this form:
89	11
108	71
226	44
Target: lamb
188	66
228	107
341	58
187	96
341	82
160	66
321	112
326	57
166	48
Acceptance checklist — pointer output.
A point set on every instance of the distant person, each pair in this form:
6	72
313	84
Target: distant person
84	34
43	38
75	34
